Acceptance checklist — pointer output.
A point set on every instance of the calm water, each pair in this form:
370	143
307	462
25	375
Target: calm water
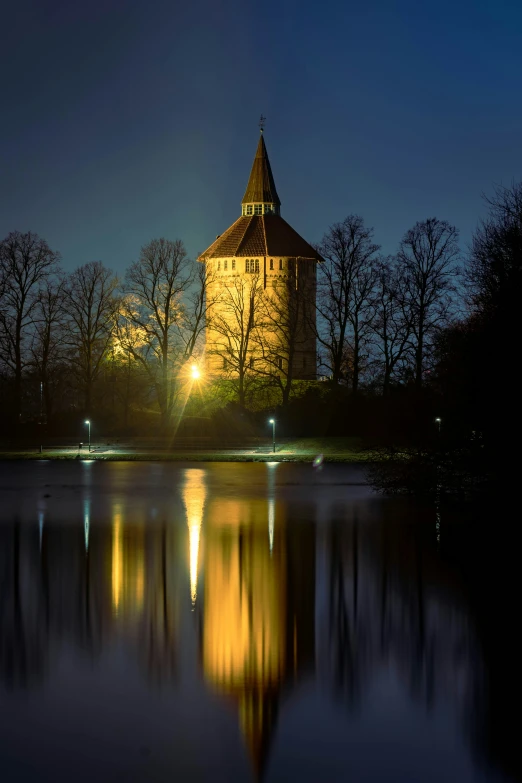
165	622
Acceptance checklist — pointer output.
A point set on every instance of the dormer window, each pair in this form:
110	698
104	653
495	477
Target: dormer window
259	209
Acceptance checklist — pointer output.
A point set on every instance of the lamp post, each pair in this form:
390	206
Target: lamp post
88	423
272	422
438	421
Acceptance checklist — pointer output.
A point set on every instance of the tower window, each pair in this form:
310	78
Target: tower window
271	263
258	209
233	264
249	209
268	208
280	263
247	265
225	264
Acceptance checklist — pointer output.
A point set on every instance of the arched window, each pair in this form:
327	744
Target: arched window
257	265
280	263
271	263
219	266
280	362
225	264
251	362
233	264
247	265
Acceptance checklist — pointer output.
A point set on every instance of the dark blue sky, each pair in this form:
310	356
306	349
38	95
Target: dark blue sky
124	121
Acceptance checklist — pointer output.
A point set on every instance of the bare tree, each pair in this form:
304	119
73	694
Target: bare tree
282	337
48	347
26	262
236	317
90	304
344	302
494	271
391	324
163	316
428	255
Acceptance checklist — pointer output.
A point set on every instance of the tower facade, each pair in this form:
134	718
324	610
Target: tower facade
261	288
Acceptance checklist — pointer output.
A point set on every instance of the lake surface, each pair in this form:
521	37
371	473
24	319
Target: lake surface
242	622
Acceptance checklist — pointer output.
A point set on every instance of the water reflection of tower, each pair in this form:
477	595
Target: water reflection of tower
258	624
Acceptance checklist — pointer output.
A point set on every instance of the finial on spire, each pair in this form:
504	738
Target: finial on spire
262	121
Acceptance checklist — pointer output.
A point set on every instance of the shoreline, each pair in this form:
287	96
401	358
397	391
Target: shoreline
188	455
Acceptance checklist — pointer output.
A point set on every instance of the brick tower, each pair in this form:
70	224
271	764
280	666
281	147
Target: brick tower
261	288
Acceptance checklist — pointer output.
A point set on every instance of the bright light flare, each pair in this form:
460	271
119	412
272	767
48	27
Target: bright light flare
195	372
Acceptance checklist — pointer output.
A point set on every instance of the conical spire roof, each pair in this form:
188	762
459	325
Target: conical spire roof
261	187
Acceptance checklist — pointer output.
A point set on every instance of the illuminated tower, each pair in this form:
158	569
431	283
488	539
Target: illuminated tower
262	251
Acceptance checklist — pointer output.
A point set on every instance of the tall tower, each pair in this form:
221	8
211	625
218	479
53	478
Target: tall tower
261	288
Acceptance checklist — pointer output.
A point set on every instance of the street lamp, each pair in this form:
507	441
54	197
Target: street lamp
272	422
438	421
88	423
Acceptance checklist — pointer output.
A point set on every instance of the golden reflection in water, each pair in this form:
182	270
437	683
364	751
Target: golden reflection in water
127	567
194	494
244	630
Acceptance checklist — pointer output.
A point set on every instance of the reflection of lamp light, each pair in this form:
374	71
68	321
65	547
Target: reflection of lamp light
86	521
117	560
40	525
271	502
127	567
193	494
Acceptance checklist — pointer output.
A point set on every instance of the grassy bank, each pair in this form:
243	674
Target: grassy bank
345	450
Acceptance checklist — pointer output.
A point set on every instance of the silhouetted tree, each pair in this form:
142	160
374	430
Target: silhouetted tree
90	304
26	263
428	255
162	316
281	340
235	323
391	324
48	347
345	297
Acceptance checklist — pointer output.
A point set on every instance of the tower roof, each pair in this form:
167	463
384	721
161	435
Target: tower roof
261	186
260	235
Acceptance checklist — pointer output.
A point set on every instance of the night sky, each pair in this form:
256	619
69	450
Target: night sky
124	121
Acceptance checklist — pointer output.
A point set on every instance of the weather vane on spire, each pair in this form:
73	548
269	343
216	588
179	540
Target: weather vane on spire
262	121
